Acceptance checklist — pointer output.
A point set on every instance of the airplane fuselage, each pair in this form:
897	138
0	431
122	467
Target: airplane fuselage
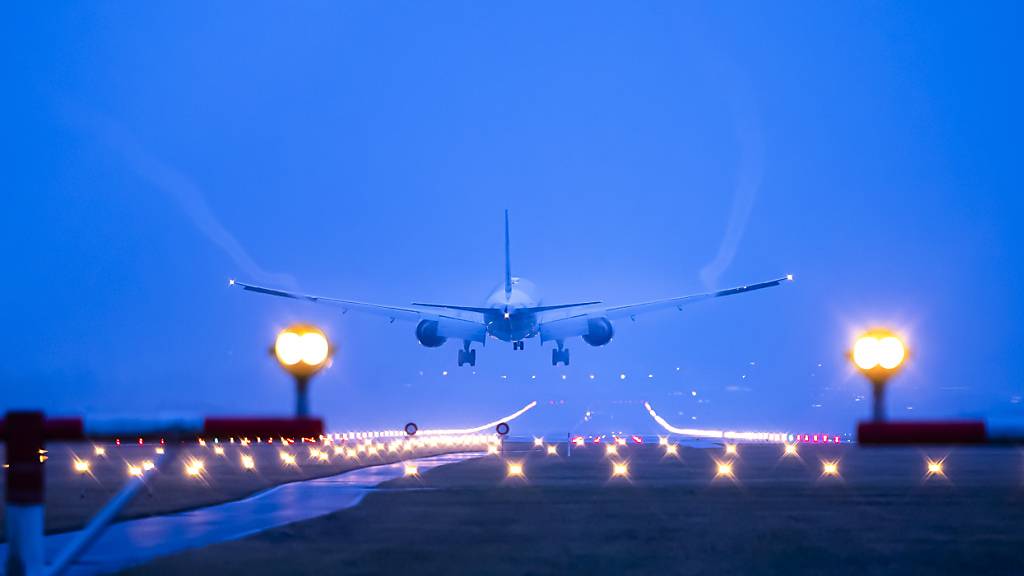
507	320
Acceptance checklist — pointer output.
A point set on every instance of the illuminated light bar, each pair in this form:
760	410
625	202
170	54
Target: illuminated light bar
481	428
723	434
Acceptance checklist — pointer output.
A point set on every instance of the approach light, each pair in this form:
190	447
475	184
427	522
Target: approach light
724	469
671	450
194	467
552	450
790	450
620	469
82	466
411	470
611	450
830	468
218	450
731	449
935	468
302	350
538	442
879	354
515	469
248	462
135	471
99	450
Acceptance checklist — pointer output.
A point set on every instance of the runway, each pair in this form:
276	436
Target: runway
881	512
137	541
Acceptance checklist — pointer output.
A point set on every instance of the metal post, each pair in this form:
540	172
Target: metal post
301	396
878	399
24	495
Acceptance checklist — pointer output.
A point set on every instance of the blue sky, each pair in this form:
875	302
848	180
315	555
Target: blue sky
645	150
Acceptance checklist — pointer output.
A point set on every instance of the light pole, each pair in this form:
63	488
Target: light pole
879	354
302	350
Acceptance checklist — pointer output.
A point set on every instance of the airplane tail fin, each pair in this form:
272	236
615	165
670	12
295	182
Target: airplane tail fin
508	264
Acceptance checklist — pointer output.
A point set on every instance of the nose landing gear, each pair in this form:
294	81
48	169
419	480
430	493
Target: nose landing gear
518	345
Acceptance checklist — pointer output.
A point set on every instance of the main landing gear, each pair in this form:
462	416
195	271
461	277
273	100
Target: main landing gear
560	354
467	356
518	345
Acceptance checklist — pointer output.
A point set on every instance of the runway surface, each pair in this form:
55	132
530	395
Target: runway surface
882	513
136	541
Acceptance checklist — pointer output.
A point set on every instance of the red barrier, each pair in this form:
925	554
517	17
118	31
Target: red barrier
263	427
55	429
923	432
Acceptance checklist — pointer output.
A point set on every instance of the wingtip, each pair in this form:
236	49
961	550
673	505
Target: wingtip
231	281
789	277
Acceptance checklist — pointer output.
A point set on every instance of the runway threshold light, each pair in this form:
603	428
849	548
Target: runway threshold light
302	350
878	354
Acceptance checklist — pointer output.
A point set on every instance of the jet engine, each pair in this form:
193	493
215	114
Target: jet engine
599	332
426	333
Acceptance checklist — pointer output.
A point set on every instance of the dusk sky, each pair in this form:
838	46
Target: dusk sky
366	150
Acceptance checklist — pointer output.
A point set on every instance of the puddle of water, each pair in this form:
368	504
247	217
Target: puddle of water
133	542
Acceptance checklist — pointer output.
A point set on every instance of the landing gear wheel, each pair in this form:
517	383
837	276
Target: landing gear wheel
560	356
467	357
411	428
518	345
501	429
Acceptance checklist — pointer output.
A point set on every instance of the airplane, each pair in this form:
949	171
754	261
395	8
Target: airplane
513	313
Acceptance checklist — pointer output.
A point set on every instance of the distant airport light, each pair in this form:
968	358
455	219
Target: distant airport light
135	471
99	450
830	468
81	466
620	469
663	440
148	465
515	469
492	449
538	442
552	450
791	450
935	467
218	450
671	450
620	441
248	463
411	470
159	450
611	450
579	441
731	450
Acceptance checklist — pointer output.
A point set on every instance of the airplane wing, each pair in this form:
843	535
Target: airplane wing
454	324
561	324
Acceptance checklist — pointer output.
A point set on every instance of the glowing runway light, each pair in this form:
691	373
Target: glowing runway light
81	466
412	470
99	450
611	450
248	463
552	450
724	469
492	448
159	450
287	458
620	441
671	450
663	440
790	450
135	471
218	450
515	470
830	468
579	441
148	465
620	469
935	468
731	450
194	467
538	442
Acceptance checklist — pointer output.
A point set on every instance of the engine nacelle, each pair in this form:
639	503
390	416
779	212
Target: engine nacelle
599	332
426	333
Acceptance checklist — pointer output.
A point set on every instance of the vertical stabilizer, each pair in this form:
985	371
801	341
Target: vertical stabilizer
508	263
